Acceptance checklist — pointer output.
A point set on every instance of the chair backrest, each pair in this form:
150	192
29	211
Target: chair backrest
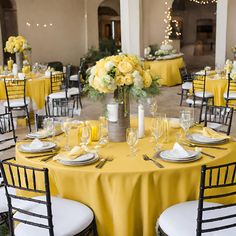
58	82
25	179
15	89
219	115
57	65
230	88
217	182
185	76
199	84
7	126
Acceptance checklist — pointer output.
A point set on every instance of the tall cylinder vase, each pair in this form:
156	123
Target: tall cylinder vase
19	61
118	120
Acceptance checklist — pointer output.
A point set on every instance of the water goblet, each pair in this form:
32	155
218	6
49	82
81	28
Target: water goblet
158	131
65	127
185	121
132	140
85	137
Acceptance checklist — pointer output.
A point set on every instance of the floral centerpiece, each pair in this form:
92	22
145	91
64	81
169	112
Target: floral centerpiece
121	75
160	53
17	45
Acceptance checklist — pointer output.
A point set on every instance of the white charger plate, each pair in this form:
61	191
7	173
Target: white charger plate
200	139
79	163
25	147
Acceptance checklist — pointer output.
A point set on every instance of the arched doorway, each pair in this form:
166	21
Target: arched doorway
197	24
8	19
109	24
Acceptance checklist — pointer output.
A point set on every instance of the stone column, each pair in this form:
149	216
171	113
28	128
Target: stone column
131	18
221	32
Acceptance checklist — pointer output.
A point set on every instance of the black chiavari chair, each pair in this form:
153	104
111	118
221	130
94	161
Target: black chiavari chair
44	214
200	93
58	101
16	97
7	131
207	216
76	91
230	95
186	85
219	118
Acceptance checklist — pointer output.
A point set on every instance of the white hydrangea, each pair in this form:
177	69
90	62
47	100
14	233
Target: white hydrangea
93	70
147	51
109	65
138	82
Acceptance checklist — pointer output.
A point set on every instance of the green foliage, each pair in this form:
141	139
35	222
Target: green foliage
3	230
93	94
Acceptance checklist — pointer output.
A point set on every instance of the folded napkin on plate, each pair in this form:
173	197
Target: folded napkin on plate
71	155
178	151
36	143
210	133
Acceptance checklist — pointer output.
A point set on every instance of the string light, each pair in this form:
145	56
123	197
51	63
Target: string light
37	25
167	21
203	2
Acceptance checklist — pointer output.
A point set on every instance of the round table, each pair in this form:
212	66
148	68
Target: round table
37	88
128	194
167	70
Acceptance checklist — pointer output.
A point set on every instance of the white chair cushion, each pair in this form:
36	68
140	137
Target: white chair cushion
3	199
187	85
74	77
232	95
207	94
181	219
190	101
17	102
73	91
58	95
214	126
69	218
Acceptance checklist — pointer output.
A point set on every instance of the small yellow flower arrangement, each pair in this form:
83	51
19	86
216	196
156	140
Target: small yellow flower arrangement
120	72
16	45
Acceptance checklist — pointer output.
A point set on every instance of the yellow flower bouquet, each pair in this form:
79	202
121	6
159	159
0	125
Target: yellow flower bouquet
16	45
120	72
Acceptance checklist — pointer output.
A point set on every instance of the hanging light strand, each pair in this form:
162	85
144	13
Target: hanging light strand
203	2
167	21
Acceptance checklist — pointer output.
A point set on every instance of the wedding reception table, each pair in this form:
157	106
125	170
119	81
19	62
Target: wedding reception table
167	70
128	194
37	88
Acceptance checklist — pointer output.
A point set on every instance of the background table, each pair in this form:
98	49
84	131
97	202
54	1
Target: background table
37	88
167	70
128	194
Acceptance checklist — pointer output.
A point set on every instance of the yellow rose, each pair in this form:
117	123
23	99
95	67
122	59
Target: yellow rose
129	79
147	79
120	80
125	67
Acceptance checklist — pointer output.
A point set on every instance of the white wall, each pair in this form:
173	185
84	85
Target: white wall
65	40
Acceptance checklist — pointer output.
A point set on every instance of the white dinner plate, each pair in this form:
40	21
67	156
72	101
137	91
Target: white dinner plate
25	147
79	163
201	139
41	136
168	154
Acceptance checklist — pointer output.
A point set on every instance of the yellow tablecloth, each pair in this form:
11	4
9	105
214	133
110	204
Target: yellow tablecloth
37	88
218	87
128	194
167	70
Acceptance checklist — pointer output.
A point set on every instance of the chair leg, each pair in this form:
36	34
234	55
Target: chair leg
80	102
28	118
182	96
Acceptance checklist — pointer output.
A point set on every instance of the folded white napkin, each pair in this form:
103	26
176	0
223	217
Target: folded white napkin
35	144
178	151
